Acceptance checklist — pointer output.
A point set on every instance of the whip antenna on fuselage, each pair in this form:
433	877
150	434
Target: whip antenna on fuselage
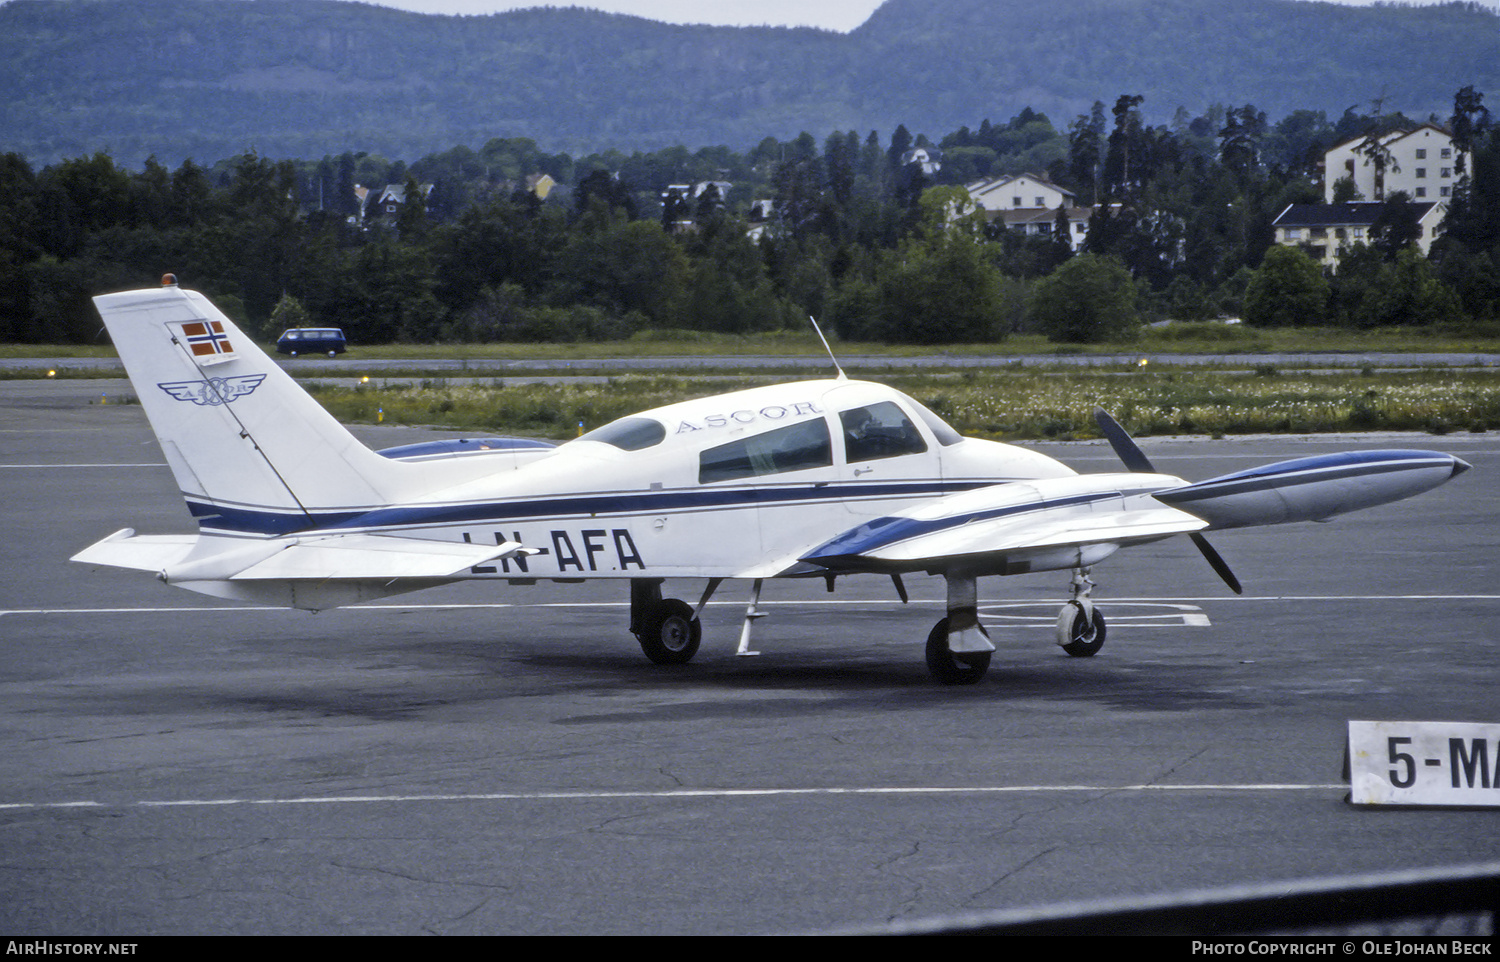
819	331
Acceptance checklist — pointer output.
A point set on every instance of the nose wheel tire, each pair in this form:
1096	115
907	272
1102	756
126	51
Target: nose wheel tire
670	634
1078	632
952	667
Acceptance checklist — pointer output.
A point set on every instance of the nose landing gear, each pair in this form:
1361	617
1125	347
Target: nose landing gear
1080	626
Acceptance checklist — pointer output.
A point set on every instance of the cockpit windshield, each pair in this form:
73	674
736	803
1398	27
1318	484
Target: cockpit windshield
629	434
940	428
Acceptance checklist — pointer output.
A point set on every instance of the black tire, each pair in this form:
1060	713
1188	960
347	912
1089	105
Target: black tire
670	634
951	668
1085	635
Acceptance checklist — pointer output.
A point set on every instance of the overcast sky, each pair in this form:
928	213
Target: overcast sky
842	15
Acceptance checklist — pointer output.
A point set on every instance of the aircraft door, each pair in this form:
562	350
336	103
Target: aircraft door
888	460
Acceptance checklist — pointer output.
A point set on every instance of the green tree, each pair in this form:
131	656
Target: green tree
609	189
629	266
1395	227
941	290
1473	218
801	206
1408	293
1086	152
1360	269
1240	141
1123	160
192	196
1475	278
19	198
1296	142
411	221
728	288
1288	289
289	313
1344	191
497	244
1089	299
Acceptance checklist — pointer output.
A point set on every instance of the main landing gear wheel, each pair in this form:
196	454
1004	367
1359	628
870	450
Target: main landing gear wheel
670	634
951	667
1079	634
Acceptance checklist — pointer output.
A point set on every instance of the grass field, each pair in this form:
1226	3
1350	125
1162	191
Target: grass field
1191	338
1243	395
1004	404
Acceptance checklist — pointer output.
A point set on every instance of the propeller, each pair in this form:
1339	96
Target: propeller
1137	463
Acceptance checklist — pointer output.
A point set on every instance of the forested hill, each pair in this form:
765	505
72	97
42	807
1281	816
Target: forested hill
211	78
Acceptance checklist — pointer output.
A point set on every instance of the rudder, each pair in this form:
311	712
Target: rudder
251	451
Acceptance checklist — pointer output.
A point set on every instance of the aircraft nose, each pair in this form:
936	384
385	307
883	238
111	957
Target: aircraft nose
1459	467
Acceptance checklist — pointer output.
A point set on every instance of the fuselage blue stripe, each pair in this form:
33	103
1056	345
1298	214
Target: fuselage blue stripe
262	521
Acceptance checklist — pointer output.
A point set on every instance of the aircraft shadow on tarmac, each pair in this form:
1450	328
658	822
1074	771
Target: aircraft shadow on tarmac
1134	687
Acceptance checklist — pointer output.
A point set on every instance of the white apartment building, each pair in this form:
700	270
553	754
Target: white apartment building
1422	162
1029	203
1326	231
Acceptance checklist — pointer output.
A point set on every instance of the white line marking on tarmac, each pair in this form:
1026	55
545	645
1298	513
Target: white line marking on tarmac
668	794
808	603
142	464
1154	615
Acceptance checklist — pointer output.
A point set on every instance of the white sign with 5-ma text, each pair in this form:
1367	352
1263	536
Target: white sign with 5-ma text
1424	763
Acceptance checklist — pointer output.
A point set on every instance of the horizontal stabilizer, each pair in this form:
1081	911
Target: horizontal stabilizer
1313	489
356	557
126	549
323	558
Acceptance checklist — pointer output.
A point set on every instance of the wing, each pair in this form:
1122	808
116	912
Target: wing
1012	528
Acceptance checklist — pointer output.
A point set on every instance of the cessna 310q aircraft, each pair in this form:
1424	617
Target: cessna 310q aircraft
815	478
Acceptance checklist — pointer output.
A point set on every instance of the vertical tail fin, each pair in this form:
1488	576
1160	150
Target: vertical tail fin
251	451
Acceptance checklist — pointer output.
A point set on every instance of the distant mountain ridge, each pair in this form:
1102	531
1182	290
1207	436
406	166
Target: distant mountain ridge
303	78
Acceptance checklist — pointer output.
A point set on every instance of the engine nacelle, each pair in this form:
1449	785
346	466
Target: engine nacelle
1313	489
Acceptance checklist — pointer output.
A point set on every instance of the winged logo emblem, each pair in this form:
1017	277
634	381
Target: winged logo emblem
215	390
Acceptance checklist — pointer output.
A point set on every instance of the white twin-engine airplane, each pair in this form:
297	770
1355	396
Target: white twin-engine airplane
821	478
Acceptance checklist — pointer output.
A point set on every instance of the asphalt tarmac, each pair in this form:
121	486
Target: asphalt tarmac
483	759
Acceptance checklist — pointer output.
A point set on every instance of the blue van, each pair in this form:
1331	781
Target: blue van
311	340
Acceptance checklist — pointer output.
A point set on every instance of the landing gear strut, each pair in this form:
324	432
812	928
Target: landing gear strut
1080	626
667	629
959	649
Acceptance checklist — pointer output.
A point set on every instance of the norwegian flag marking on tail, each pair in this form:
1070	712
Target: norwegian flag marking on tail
206	341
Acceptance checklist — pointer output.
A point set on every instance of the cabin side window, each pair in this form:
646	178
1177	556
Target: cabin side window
793	448
879	431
